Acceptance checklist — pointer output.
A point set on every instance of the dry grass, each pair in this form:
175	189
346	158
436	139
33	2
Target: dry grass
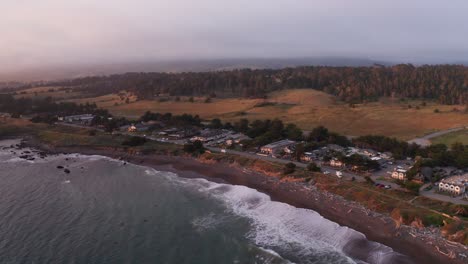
217	108
308	109
42	92
106	101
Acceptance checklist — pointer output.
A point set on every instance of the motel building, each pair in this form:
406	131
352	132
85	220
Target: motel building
399	174
455	185
336	163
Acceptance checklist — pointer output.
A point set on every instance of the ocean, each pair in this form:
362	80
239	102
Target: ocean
92	209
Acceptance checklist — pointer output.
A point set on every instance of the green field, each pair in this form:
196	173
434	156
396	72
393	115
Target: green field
448	139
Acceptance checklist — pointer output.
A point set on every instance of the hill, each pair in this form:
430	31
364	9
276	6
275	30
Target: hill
307	108
446	84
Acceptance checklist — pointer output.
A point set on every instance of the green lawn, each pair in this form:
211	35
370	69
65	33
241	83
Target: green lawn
448	139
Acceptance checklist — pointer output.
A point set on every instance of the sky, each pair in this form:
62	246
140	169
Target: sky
65	32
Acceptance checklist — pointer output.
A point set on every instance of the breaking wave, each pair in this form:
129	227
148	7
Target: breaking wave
282	228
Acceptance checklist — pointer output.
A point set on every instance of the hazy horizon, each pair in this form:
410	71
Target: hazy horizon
57	33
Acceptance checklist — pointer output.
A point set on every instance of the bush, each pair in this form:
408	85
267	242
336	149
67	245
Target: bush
289	168
313	167
134	141
433	220
194	147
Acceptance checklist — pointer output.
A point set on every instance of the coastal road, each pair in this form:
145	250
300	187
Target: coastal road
426	140
331	170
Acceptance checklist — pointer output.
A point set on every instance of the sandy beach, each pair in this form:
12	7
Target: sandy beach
421	246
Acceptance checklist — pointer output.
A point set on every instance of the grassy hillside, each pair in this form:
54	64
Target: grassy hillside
50	91
307	108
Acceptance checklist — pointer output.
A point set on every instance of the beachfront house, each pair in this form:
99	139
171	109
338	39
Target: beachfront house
276	147
456	185
134	128
236	139
307	157
399	174
207	135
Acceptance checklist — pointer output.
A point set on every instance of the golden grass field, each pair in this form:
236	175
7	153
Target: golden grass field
106	101
308	108
43	92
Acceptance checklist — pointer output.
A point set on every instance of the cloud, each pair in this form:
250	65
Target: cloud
87	31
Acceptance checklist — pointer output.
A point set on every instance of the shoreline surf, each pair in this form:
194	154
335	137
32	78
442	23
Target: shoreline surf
373	226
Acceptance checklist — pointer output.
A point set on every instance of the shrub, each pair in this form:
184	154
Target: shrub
313	167
289	168
433	220
134	141
194	147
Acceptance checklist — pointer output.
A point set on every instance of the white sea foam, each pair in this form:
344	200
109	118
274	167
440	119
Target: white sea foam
275	254
210	221
279	225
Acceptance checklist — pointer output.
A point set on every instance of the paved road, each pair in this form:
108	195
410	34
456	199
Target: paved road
332	171
433	195
426	140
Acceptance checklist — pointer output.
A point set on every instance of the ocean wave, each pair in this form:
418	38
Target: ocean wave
301	231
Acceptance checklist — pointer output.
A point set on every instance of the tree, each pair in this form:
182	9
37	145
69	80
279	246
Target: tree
242	126
299	151
293	132
191	100
318	134
216	123
195	147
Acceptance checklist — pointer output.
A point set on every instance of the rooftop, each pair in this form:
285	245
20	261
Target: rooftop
281	143
459	179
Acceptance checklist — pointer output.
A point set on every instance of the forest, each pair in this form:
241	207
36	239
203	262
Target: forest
446	84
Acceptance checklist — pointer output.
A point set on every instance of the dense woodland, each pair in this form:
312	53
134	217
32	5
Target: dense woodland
446	84
28	106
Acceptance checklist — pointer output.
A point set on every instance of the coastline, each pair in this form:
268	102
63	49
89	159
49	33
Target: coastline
419	247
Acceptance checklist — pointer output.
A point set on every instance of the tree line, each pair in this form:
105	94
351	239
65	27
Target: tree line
45	106
446	84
